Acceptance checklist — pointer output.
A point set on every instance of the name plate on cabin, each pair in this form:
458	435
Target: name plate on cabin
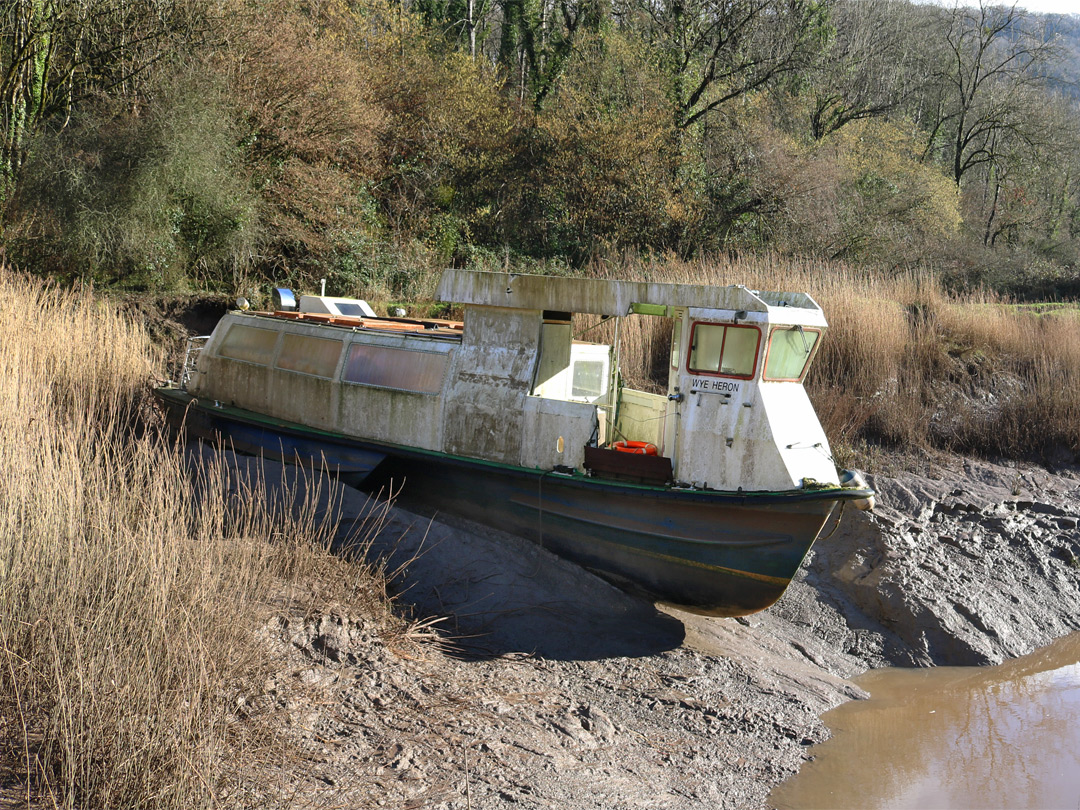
711	385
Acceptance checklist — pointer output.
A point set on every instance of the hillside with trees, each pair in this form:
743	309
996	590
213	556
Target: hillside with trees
179	144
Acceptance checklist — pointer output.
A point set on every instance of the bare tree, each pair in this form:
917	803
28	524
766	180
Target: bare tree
870	65
991	57
52	52
719	50
1026	192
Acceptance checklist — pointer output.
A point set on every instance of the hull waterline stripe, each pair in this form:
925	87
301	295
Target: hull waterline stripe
780	582
579	516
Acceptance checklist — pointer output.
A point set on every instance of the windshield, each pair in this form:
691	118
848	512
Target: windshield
729	351
790	350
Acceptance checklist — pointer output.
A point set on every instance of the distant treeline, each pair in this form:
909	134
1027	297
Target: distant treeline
224	143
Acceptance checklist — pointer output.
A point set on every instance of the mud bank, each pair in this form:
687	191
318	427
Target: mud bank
547	687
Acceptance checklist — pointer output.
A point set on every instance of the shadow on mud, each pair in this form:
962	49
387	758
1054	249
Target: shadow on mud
499	594
492	593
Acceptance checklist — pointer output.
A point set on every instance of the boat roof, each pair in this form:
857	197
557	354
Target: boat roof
604	297
429	326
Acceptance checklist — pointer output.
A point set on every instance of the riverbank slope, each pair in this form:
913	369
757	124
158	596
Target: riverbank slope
546	687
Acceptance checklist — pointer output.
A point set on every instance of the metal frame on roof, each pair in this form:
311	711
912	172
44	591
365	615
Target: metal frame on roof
601	297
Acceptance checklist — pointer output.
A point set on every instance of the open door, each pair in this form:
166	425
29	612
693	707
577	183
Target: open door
676	396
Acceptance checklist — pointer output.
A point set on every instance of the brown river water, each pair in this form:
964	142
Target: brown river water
952	737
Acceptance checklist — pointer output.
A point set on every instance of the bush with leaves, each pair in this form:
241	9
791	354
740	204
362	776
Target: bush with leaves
149	201
308	132
597	169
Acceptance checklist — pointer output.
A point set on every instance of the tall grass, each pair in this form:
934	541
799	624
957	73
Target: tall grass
130	584
906	363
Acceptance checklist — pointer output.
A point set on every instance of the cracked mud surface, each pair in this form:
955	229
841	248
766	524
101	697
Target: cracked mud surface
550	688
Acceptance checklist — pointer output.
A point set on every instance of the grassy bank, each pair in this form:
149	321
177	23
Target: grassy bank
130	584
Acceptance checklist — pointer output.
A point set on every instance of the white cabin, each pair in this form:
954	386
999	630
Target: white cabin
512	386
735	415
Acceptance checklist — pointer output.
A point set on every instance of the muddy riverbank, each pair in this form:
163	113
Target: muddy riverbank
546	687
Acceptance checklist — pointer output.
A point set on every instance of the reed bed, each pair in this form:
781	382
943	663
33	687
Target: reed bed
906	363
131	578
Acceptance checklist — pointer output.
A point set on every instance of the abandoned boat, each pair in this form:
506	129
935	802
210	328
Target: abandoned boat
707	496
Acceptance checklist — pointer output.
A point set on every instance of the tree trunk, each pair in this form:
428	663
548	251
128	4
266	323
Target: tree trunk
470	24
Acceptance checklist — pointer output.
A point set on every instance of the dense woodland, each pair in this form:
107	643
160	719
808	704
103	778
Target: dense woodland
220	144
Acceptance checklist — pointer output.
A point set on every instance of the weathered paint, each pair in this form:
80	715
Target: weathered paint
612	298
735	433
503	441
485	400
544	422
327	404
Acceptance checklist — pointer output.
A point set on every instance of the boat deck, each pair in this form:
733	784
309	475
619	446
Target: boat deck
427	326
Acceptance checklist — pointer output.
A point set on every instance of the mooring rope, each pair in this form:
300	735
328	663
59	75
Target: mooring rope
839	517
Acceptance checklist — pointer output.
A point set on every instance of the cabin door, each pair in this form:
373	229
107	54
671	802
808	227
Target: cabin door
676	397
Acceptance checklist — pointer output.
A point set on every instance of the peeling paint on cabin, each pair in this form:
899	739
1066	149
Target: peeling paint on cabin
485	405
545	422
495	403
402	417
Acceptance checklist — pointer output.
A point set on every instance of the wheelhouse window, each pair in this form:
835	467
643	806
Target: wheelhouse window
790	350
676	336
249	343
400	369
727	350
309	355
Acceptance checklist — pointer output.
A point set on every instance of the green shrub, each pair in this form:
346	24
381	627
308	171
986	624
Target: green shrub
157	202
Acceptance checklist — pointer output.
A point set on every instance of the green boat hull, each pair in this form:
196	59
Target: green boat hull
717	553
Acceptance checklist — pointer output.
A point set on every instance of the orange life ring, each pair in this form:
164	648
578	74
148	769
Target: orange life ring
640	448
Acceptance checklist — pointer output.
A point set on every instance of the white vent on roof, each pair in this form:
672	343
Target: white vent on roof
328	305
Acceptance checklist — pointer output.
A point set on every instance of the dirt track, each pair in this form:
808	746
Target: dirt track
553	689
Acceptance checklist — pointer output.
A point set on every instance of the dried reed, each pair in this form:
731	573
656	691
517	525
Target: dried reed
129	581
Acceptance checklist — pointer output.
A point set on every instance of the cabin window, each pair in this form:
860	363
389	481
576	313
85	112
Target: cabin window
309	355
400	369
724	349
588	379
249	343
790	350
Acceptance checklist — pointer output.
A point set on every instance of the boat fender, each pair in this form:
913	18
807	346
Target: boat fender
639	448
853	479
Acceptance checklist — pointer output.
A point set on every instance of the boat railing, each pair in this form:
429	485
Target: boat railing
195	345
